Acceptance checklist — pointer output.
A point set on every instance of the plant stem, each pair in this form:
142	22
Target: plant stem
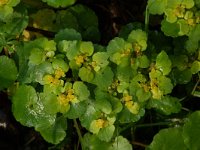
145	125
146	19
186	109
139	144
78	132
193	91
152	124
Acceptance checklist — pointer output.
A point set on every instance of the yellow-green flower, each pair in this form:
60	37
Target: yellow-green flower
133	107
71	96
59	73
3	2
79	59
156	92
63	100
96	125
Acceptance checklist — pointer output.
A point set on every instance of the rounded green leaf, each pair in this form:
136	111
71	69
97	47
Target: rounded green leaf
18	17
67	34
170	29
59	3
121	143
142	95
92	142
195	68
188	3
125	116
157	6
8	72
100	58
5	12
13	2
182	77
81	90
140	37
92	33
53	133
76	110
37	56
124	73
143	61
50	102
60	63
184	27
102	101
39	71
163	63
193	42
166	105
86	48
82	13
165	85
116	105
86	74
90	114
28	109
43	19
166	139
118	45
47	45
191	131
170	15
179	61
105	134
65	19
104	78
64	46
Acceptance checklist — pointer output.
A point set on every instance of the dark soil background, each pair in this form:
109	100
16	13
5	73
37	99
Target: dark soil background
112	14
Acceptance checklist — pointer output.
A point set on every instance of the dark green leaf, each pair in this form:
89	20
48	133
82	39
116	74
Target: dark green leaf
67	34
191	131
166	139
28	109
86	74
105	134
182	77
157	6
76	110
120	143
125	116
163	63
167	105
53	133
170	29
92	142
59	3
8	72
195	68
90	114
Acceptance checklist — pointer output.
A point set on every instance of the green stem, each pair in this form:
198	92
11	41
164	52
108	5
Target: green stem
152	124
145	125
193	91
146	19
78	132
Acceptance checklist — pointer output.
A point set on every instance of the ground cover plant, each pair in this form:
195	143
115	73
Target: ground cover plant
77	89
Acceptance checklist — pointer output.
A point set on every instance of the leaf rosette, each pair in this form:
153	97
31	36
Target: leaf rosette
120	51
6	9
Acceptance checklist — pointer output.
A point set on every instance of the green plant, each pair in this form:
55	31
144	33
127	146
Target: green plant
52	79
